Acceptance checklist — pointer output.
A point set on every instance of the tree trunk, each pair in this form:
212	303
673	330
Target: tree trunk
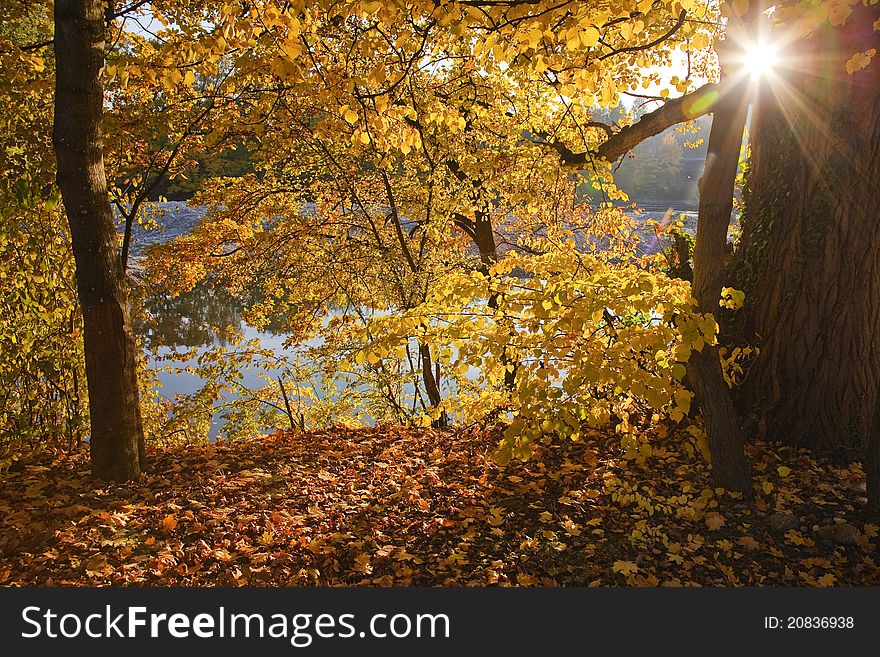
872	464
725	435
117	441
809	259
484	238
431	379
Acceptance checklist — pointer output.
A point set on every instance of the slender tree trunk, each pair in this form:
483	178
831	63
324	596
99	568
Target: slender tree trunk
431	379
809	259
117	442
726	439
484	238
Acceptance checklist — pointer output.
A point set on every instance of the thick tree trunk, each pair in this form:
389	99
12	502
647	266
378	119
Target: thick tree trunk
872	464
726	440
484	238
117	447
809	259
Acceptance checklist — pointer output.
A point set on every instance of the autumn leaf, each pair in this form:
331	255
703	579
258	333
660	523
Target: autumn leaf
97	566
714	520
351	116
828	579
572	527
625	567
526	580
860	60
748	543
472	509
169	523
362	564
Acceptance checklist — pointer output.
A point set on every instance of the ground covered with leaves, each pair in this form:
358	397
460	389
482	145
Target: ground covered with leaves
395	506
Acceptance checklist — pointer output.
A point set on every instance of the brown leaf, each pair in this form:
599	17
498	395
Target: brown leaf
714	520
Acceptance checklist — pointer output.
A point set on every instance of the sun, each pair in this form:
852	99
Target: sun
760	58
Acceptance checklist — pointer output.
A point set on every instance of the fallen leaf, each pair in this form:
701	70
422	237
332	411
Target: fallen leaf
169	523
714	520
625	567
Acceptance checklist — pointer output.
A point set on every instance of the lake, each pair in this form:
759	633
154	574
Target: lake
205	318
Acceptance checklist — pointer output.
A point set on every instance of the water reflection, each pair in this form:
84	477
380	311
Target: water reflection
178	332
198	318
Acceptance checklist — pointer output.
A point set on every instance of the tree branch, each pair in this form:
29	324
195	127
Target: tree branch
678	110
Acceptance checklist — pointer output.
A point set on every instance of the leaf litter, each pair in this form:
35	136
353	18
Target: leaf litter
396	506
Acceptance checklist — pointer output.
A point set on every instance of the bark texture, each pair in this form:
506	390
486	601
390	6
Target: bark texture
872	465
809	259
117	441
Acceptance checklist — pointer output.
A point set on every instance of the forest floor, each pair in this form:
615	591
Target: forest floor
396	506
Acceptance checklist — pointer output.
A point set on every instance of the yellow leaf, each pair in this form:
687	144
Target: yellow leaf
860	60
494	518
828	579
546	516
535	36
291	49
350	116
371	7
572	527
767	487
783	471
625	567
590	37
838	12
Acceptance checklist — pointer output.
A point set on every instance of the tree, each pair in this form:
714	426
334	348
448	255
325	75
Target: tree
41	362
117	437
812	306
356	60
726	439
810	250
384	113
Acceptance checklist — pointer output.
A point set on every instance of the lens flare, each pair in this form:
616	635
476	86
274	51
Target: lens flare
760	58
